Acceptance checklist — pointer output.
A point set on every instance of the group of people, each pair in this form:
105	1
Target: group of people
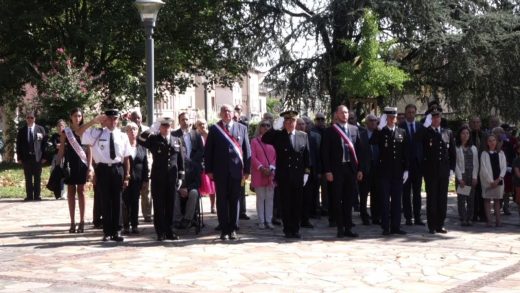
299	169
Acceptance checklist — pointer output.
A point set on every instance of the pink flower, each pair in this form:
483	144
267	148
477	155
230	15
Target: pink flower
60	50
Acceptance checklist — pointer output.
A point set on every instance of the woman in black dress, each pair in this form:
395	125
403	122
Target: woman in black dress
78	159
138	174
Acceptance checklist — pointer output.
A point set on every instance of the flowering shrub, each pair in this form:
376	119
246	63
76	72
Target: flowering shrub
65	85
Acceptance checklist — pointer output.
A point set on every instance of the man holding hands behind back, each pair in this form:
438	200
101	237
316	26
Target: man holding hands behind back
227	161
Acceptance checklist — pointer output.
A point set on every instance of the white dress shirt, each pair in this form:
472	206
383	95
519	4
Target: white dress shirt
99	139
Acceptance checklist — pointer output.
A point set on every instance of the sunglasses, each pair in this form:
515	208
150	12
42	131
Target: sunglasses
265	125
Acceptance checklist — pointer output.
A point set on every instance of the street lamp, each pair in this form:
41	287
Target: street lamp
148	9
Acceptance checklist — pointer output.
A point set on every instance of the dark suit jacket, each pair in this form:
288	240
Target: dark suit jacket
40	143
291	162
332	151
219	156
439	152
314	151
416	150
139	165
393	151
193	162
168	160
365	152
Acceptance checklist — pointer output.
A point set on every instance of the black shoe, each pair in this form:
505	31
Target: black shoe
27	199
399	232
244	217
351	234
218	228
233	235
160	237
307	225
223	236
105	238
117	237
386	232
432	231
296	235
340	234
419	222
135	230
38	198
98	226
288	235
442	231
81	227
126	231
409	223
276	222
172	236
185	224
72	228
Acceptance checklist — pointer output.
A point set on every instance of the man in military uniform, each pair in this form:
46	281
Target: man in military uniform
166	177
292	170
111	151
393	148
438	159
340	150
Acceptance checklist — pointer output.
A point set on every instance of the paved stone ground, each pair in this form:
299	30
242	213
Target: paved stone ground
37	254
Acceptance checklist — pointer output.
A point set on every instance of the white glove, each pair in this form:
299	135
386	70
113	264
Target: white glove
428	120
305	178
405	176
155	127
278	123
179	184
382	122
509	169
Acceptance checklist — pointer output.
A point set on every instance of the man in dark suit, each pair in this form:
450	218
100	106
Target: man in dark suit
438	159
292	170
313	186
308	189
228	160
412	187
31	143
364	184
370	180
393	164
342	165
193	152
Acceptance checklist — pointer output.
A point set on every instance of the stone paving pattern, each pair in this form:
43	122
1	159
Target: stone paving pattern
37	254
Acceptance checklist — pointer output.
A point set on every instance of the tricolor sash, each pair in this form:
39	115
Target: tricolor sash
347	141
234	143
75	145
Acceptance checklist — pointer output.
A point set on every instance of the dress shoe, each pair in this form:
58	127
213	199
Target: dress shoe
233	235
419	222
27	199
276	222
126	231
160	237
386	232
296	235
398	232
135	230
223	236
172	236
441	230
117	237
38	198
307	225
409	223
105	238
244	217
350	234
340	234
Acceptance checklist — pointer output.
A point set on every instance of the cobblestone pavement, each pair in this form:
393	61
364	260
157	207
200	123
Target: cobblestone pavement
37	254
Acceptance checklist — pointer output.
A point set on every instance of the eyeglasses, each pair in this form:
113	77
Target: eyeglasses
30	117
265	125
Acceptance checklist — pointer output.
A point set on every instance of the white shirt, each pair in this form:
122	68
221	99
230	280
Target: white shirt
187	141
99	139
291	137
30	129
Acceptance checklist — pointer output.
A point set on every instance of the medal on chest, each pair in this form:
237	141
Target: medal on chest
101	147
431	142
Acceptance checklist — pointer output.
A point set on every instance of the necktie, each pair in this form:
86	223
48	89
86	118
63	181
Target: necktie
412	128
437	130
227	127
112	147
31	141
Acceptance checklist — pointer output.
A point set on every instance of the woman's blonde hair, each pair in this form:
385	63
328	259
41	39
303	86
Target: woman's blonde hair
130	125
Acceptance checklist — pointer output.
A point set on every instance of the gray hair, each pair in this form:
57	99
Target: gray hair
130	125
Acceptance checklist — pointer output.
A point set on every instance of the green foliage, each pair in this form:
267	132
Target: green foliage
64	86
273	106
368	75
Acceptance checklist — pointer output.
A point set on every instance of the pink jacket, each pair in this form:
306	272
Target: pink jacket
259	158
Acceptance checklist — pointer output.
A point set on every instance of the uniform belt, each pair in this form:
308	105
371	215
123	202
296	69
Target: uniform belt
110	164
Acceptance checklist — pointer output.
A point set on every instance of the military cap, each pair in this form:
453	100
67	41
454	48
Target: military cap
436	111
289	114
390	111
166	121
112	112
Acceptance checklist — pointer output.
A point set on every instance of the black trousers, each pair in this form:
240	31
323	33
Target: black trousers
243	200
375	193
163	196
228	191
412	195
364	188
32	172
131	199
392	188
437	198
109	181
309	198
97	208
291	197
479	212
343	189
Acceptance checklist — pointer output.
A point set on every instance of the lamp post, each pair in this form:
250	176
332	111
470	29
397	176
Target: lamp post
148	9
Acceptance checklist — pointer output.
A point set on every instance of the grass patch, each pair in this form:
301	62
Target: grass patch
12	181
